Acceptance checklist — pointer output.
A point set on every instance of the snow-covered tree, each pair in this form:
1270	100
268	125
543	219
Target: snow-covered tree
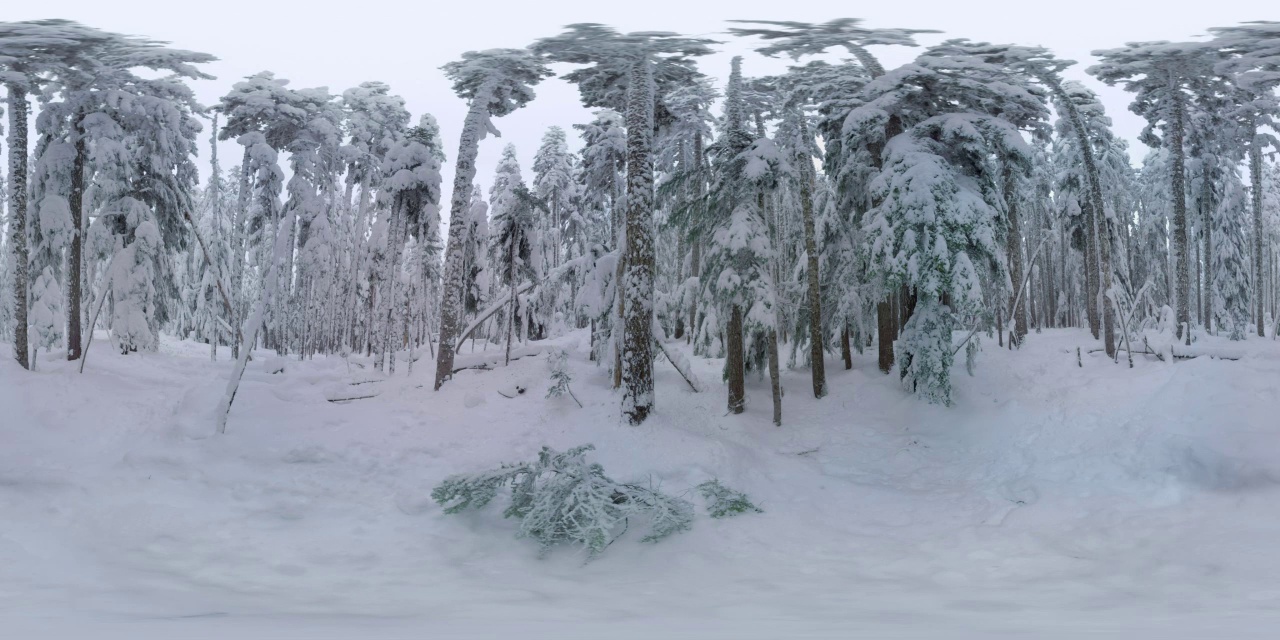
1231	291
1161	74
628	73
495	82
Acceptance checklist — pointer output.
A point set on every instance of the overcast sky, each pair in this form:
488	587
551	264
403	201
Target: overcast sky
339	45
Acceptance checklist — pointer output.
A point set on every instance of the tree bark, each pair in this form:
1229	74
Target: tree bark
1093	177
775	378
1255	181
735	361
18	219
1013	247
846	352
637	283
887	330
75	256
473	130
817	354
1182	257
1206	210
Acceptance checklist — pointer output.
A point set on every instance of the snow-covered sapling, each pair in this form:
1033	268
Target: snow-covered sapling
723	502
558	360
561	498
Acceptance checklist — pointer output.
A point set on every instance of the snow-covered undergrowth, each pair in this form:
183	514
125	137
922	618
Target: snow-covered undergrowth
1050	501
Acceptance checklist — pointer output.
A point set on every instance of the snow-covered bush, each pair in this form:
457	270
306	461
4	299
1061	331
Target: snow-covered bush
562	498
723	502
558	361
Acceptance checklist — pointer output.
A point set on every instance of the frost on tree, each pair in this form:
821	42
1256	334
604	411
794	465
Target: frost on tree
495	83
1160	74
627	73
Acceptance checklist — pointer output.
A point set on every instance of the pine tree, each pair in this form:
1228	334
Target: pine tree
495	82
1160	73
628	73
1231	290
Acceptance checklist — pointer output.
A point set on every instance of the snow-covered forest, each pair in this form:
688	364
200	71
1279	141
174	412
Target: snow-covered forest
858	344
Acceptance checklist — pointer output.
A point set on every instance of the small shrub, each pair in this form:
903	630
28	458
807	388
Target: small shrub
723	502
561	498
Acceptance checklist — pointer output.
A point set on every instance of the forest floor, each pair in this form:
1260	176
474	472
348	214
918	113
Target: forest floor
1052	501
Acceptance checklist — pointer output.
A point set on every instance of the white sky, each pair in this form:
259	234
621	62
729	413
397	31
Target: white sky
339	45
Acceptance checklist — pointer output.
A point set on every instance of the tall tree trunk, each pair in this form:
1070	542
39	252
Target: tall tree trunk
1255	181
18	219
1091	271
1206	209
887	331
75	256
473	130
1199	287
244	198
511	278
1182	259
817	354
888	320
1104	258
735	362
637	283
695	254
1013	247
1099	210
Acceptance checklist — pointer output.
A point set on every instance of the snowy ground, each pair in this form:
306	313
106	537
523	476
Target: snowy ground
1052	501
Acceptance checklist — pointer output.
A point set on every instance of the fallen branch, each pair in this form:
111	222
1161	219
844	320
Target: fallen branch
488	366
1176	355
680	366
341	400
493	309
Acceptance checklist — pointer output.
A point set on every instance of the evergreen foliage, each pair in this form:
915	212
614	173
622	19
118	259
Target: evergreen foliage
723	502
562	499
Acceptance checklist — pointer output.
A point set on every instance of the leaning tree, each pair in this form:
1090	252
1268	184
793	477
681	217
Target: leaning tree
495	82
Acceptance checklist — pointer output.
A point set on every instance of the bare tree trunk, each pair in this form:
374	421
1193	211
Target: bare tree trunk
1255	181
845	351
695	257
1013	248
474	128
637	283
1206	210
775	378
887	330
1091	270
1180	247
75	256
18	219
735	361
817	354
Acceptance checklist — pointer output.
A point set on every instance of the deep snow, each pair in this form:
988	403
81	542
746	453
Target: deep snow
1051	501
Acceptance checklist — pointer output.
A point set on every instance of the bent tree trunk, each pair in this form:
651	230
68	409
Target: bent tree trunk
270	287
473	130
1098	207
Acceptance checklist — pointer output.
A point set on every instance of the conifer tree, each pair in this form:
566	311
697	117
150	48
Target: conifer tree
495	82
628	73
